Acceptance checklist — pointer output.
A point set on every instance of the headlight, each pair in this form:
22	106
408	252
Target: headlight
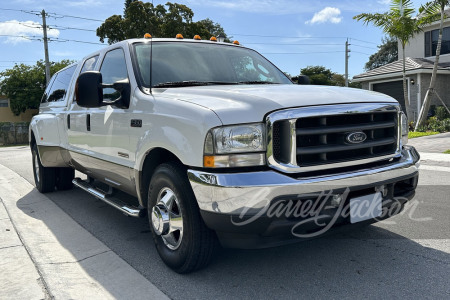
242	141
242	138
405	128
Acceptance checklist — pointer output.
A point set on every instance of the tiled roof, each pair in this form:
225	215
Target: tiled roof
397	66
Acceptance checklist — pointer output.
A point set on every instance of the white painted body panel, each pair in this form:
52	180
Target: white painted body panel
250	103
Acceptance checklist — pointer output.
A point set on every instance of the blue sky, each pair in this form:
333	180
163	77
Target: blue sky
291	33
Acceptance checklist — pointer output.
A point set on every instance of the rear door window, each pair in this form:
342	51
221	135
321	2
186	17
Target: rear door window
59	86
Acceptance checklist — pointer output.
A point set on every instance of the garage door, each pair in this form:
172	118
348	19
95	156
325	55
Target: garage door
393	89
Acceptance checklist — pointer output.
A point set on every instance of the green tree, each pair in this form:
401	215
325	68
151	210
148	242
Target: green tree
319	75
399	23
387	53
24	85
432	11
160	21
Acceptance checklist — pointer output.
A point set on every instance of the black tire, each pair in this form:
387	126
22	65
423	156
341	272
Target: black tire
44	177
64	178
197	242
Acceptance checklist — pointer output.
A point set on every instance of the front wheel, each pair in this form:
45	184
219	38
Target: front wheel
44	177
181	237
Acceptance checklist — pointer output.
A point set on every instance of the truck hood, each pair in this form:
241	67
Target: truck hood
250	103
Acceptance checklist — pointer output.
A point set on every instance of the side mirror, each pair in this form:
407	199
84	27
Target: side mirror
88	89
124	88
303	79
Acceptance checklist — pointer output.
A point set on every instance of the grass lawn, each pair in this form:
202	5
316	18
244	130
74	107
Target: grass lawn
447	151
413	134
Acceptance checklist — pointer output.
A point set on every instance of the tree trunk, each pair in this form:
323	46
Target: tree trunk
430	92
405	89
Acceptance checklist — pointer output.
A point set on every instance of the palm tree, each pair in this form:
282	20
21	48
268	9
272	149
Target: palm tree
399	23
432	11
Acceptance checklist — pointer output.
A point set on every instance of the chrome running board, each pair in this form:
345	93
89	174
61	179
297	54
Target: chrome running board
114	202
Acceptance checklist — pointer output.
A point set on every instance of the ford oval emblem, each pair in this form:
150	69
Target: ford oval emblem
356	137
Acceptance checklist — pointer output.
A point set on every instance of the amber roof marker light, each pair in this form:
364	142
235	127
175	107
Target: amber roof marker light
213	39
147	36
179	36
236	43
197	37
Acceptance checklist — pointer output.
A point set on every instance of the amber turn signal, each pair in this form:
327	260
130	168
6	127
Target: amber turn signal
208	161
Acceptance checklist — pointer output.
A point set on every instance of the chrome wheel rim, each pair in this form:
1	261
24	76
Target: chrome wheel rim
167	220
36	167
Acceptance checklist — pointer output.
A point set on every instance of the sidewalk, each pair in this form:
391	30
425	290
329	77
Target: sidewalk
431	150
437	143
45	254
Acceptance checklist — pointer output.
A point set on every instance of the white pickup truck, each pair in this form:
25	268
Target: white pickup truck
215	143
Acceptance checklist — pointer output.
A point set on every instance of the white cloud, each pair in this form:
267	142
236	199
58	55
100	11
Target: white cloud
328	14
384	2
17	31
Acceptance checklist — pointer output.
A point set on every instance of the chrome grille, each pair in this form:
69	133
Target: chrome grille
315	138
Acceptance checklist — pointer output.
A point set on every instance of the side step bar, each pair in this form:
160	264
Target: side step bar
114	202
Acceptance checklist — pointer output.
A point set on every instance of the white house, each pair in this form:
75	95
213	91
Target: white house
420	56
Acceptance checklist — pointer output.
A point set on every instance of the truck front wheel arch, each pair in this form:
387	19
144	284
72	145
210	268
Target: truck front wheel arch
152	160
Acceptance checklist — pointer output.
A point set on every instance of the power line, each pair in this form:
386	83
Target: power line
32	12
361	53
75	41
363	46
295	53
290	37
32	38
57	16
37	25
363	41
283	44
70	28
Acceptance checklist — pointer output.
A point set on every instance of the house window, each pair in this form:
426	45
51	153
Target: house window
3	102
431	41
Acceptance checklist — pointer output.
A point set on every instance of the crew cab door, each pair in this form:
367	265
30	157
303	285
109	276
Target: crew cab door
109	127
77	127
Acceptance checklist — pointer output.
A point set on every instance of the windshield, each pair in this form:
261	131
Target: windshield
187	64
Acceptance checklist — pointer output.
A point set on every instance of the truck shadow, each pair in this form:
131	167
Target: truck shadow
368	262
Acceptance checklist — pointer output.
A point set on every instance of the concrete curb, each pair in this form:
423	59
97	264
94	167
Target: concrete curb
71	263
436	157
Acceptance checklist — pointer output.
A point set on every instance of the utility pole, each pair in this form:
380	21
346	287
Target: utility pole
346	62
47	62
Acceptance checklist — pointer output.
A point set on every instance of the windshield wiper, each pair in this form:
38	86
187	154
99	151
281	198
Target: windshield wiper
191	83
256	82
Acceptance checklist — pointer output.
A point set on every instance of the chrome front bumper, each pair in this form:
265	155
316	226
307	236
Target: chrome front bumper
247	193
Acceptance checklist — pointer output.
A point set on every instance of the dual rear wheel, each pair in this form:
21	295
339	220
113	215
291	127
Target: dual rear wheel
47	178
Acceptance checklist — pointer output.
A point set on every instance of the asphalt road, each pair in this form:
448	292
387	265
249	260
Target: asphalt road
409	257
